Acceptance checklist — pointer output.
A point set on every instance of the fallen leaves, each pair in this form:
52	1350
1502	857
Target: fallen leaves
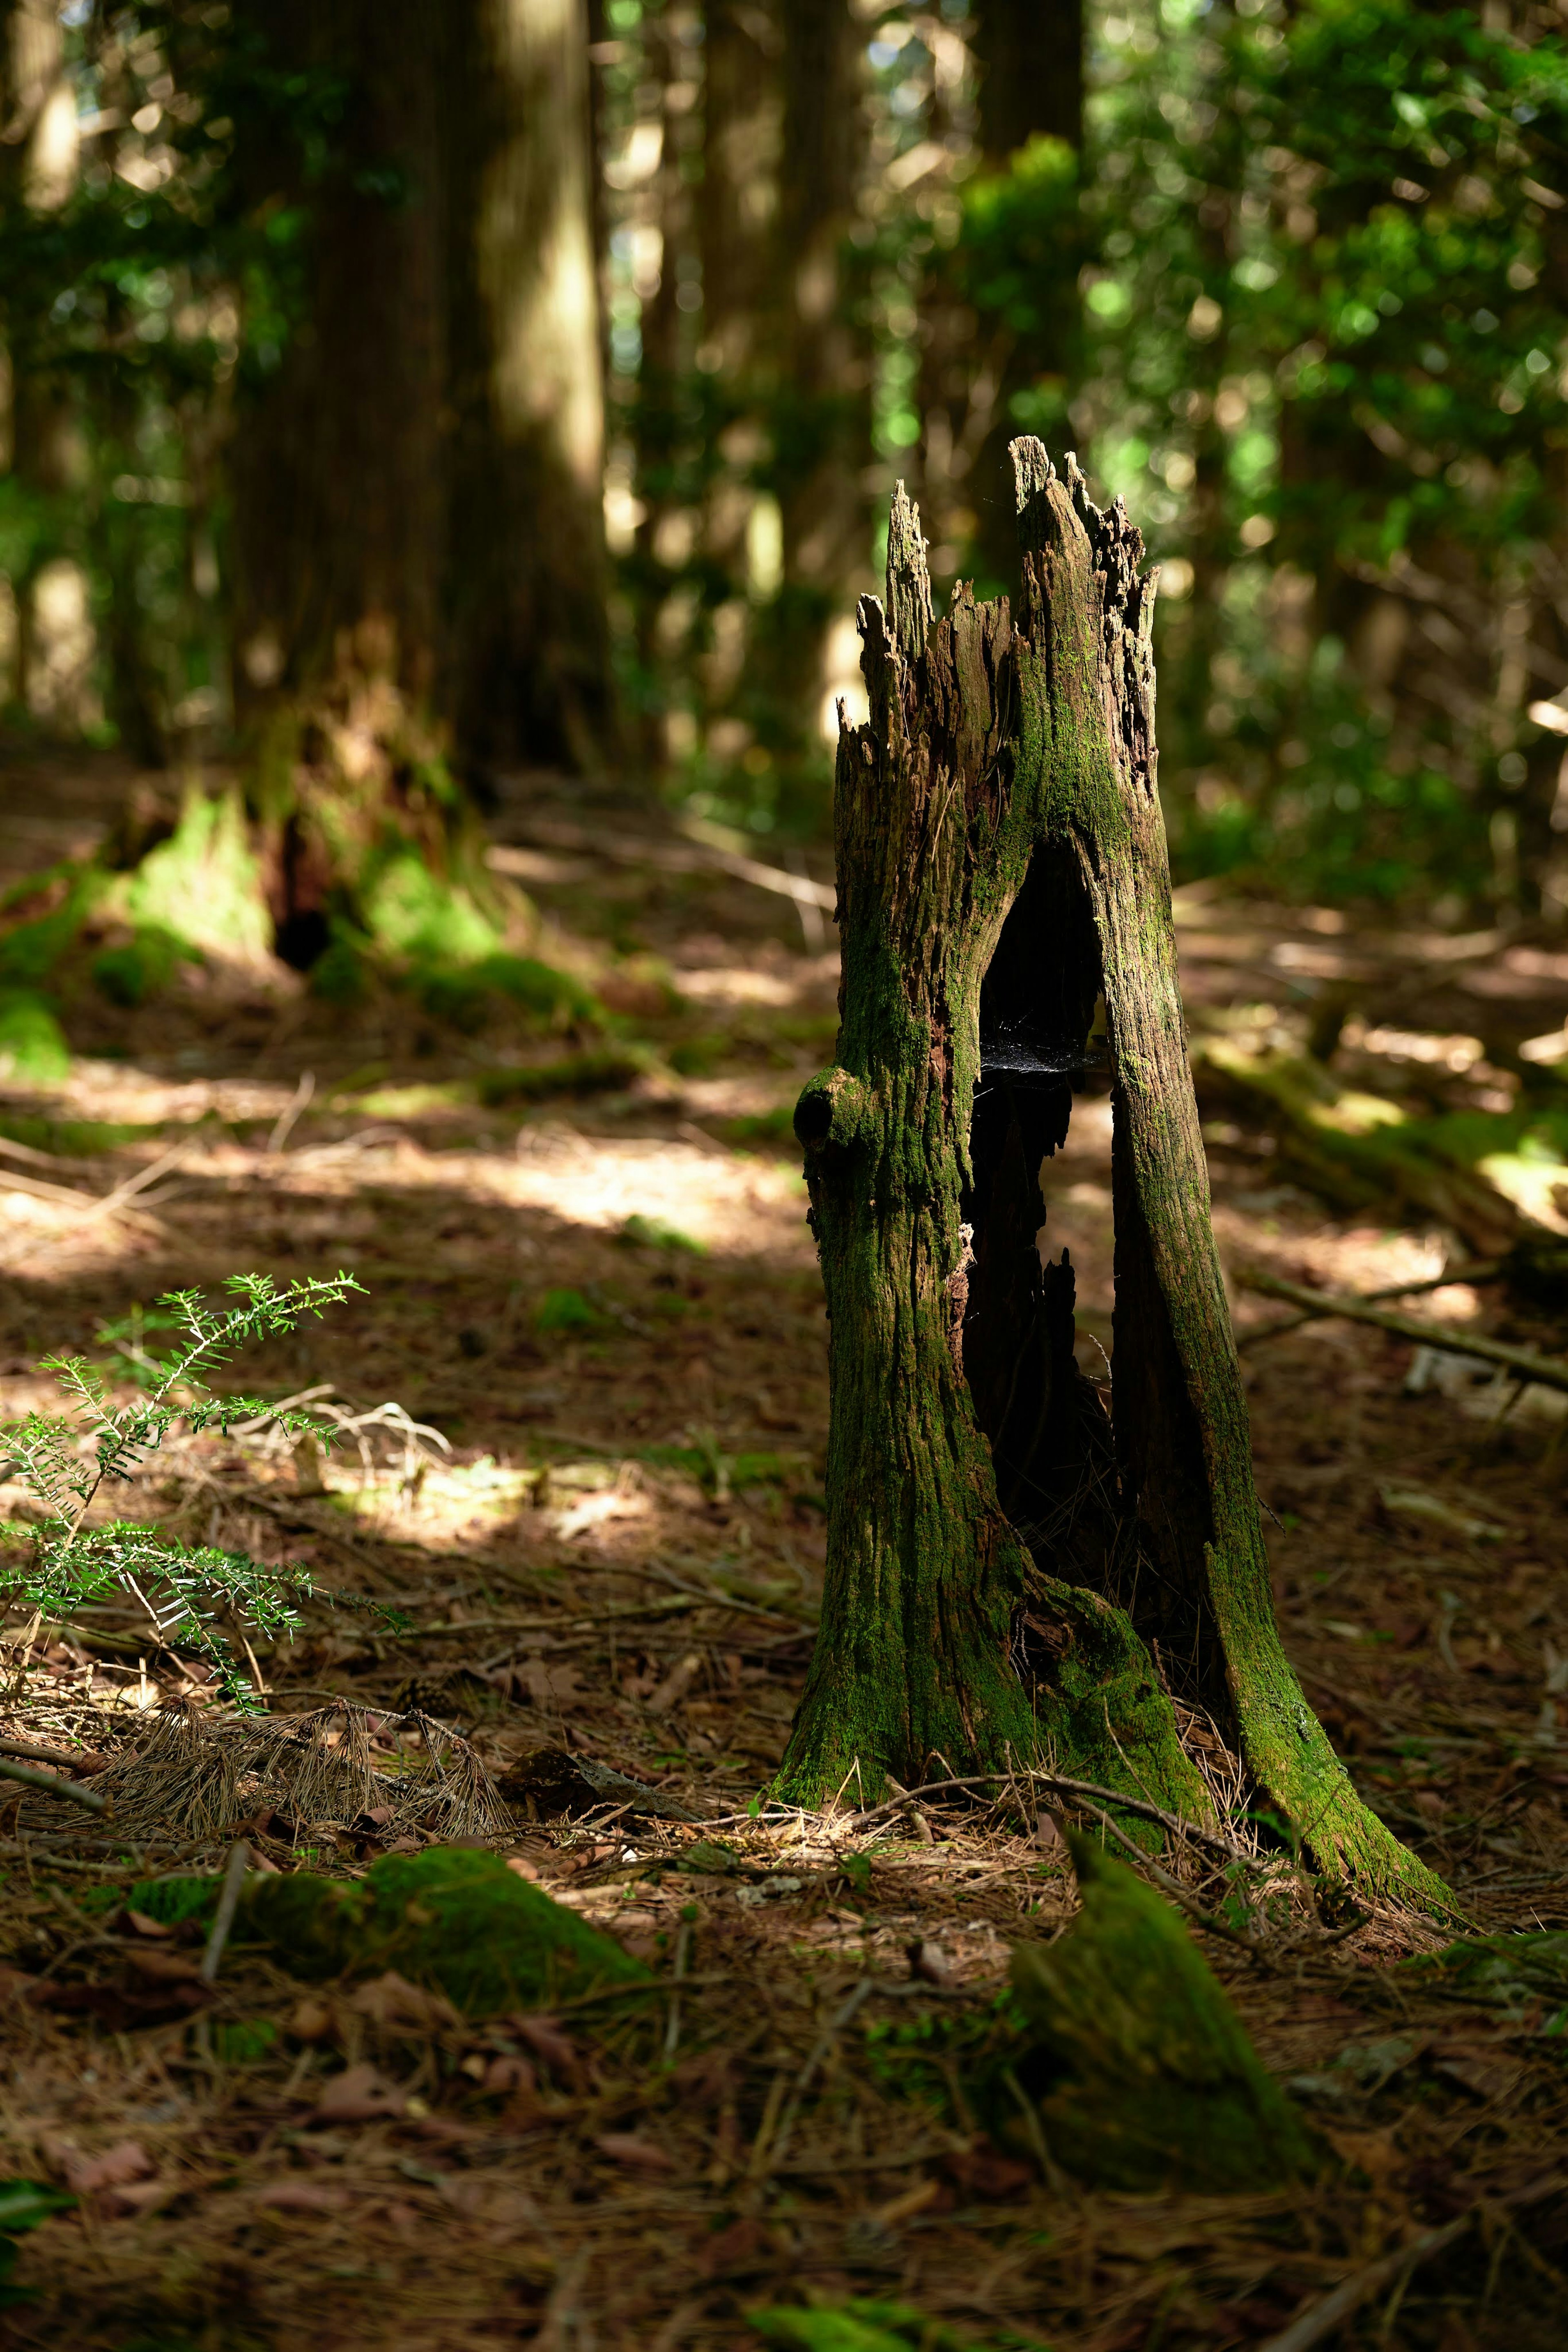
128	2160
360	2094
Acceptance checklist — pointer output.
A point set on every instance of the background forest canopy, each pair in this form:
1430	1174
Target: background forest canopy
399	397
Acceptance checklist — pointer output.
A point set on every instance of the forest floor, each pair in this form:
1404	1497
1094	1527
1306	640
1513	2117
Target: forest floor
602	1312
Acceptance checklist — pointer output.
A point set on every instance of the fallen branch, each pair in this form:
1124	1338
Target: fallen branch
84	1761
678	1606
52	1784
1545	1371
1321	2318
1481	1270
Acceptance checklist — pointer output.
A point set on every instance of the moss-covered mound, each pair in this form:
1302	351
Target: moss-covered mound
1139	2071
457	1921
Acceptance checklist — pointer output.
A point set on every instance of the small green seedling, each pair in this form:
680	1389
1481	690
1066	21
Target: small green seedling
23	2205
65	1458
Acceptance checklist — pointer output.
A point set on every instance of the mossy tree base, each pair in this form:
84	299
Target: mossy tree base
1011	1574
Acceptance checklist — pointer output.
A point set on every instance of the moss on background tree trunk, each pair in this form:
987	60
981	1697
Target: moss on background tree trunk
1010	1575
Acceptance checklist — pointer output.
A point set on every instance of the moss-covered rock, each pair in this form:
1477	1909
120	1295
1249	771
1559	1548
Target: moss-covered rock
1139	2072
451	1919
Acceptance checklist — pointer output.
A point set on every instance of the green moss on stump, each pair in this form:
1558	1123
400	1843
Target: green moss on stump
1141	2073
454	1920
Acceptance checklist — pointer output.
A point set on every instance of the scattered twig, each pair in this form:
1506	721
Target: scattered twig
228	1904
52	1784
678	1606
1321	2318
1088	1790
1546	1372
765	2157
284	1126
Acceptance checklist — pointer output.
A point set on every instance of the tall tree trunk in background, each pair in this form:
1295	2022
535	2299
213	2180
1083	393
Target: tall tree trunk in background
1029	54
1010	1576
38	157
528	671
337	461
740	140
743	262
823	413
417	559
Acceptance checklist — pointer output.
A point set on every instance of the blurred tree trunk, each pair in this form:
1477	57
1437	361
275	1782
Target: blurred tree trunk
823	445
1029	54
740	140
337	458
417	538
742	262
526	675
38	157
660	402
1030	59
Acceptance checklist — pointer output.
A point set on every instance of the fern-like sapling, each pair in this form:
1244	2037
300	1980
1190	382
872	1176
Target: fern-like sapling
66	1458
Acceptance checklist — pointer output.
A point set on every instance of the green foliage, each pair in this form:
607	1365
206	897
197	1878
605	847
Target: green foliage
127	1335
419	915
244	2042
66	1564
33	1048
567	1311
201	889
639	1231
23	2204
865	2324
341	974
1325	323
139	968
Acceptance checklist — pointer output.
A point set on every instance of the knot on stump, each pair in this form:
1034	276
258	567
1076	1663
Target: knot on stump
829	1110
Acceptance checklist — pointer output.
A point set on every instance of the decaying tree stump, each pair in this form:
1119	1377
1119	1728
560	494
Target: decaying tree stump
1010	1573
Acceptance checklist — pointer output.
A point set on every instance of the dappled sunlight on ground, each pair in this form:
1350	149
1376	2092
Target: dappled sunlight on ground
582	1414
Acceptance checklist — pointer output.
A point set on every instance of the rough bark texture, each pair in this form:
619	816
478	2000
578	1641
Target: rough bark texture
1029	54
740	166
822	422
334	523
526	669
1002	866
38	156
454	550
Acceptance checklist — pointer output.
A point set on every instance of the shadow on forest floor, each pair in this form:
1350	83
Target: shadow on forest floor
609	1310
